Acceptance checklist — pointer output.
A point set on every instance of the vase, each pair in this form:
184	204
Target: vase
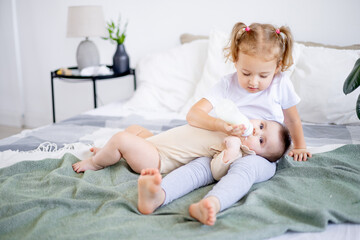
121	62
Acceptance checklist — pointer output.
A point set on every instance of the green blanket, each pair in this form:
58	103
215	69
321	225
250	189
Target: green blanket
48	200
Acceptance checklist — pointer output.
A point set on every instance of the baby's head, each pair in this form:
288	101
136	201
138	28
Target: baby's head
270	139
262	41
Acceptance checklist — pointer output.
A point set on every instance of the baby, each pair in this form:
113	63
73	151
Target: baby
173	148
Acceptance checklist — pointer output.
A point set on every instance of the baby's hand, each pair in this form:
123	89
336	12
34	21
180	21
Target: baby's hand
300	154
232	148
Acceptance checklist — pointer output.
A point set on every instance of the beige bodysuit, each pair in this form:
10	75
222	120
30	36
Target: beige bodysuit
183	144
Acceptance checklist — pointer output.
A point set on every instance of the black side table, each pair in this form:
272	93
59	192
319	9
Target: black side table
86	78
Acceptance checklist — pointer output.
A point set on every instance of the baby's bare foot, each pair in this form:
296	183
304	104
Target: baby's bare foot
84	165
204	211
232	150
150	193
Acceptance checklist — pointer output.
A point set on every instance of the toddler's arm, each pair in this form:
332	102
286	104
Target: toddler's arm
293	122
198	116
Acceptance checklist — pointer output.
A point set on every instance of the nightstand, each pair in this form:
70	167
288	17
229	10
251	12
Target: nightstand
76	75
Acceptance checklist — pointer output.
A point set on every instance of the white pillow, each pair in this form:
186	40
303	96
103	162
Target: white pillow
167	80
216	66
318	78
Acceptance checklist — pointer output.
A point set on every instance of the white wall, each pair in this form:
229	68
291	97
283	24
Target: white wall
154	25
10	95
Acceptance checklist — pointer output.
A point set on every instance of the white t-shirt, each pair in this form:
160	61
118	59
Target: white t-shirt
267	104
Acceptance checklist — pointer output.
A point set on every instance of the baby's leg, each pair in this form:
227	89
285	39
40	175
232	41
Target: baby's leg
247	171
150	193
134	129
205	210
232	150
187	178
193	175
242	174
139	131
94	150
138	153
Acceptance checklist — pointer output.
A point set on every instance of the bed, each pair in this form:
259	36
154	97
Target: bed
43	198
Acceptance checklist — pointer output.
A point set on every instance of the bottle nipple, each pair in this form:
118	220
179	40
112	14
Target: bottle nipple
248	130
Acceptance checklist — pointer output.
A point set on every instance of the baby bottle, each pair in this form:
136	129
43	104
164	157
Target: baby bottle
228	111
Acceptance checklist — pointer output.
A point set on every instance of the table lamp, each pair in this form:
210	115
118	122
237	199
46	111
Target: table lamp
86	21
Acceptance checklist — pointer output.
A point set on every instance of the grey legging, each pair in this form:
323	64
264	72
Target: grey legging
242	174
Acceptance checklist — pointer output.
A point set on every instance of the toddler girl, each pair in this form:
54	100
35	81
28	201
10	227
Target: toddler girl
260	53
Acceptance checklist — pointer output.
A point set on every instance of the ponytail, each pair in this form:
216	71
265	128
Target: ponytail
233	49
287	42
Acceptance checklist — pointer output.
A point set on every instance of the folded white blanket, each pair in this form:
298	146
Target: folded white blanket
45	150
50	150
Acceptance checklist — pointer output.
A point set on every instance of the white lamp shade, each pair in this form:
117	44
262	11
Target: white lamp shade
85	21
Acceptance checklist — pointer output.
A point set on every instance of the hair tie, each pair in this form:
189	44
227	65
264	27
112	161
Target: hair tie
247	29
278	31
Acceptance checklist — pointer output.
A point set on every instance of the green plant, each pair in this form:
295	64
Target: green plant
352	82
116	35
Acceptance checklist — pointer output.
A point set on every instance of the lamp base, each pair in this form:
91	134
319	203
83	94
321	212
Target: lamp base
87	54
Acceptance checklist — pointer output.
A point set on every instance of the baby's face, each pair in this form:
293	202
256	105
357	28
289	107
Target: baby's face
265	138
254	73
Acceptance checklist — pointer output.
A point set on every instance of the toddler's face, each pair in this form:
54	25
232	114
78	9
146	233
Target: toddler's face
265	138
254	73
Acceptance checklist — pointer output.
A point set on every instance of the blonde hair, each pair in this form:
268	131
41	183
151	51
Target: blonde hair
261	40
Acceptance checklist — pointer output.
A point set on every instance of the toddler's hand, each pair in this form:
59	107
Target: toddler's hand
228	128
300	154
237	130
